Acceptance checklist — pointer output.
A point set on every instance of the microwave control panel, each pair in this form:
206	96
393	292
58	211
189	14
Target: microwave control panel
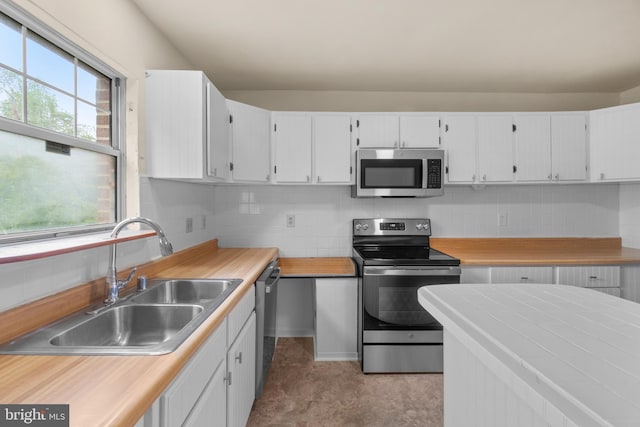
434	173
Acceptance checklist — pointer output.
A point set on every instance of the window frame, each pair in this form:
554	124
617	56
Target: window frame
117	147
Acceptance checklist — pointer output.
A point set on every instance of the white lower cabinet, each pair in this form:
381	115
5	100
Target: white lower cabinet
521	274
241	377
599	278
336	319
185	391
217	386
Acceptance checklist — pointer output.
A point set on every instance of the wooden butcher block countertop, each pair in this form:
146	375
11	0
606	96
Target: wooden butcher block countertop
538	251
117	390
317	267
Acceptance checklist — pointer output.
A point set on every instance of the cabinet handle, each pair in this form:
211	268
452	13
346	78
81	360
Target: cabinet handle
308	178
484	178
318	178
524	279
227	379
239	358
473	178
557	177
593	277
549	177
602	176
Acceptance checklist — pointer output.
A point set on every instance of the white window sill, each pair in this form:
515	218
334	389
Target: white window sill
35	250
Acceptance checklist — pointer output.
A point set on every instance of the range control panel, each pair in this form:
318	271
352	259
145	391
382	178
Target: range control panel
391	226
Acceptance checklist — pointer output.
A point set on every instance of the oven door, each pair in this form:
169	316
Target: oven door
390	296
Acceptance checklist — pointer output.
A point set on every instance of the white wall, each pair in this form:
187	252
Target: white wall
256	215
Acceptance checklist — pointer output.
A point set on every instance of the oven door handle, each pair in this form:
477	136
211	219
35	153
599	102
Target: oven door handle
439	271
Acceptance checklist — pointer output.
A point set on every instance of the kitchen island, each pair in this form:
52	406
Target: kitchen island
521	354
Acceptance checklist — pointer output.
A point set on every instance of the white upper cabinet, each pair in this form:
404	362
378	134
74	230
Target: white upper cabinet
332	148
495	148
378	131
615	143
250	148
311	148
533	147
406	130
459	140
217	134
569	146
186	127
419	131
291	136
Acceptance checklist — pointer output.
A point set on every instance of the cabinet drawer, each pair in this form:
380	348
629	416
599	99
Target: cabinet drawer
610	291
590	276
521	275
240	313
178	400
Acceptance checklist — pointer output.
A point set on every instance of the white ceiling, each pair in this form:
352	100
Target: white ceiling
543	46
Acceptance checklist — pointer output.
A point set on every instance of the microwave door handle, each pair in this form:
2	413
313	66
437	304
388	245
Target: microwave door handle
444	271
425	173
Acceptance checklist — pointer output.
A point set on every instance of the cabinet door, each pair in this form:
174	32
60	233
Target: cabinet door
292	147
522	275
211	409
614	137
175	125
241	364
460	143
569	147
217	134
419	131
533	147
250	142
495	148
336	319
182	395
378	130
332	142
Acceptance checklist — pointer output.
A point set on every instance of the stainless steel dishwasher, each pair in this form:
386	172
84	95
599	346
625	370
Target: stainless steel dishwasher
266	331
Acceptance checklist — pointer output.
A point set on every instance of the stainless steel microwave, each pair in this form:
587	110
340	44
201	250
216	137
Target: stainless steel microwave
407	172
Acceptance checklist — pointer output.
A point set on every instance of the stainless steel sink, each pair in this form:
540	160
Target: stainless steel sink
185	291
130	325
154	321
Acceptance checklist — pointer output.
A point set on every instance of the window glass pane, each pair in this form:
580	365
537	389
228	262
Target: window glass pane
49	108
11	97
41	189
94	87
94	124
49	63
10	43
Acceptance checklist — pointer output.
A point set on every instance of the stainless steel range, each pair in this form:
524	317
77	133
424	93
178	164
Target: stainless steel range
394	260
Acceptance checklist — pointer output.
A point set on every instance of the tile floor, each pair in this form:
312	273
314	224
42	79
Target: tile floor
302	393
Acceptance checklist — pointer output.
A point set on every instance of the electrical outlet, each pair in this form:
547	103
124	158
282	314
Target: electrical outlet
291	220
503	219
203	222
189	225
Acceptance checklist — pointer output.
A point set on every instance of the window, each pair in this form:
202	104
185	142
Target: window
60	133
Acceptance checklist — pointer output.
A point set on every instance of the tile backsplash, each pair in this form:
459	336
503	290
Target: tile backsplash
256	216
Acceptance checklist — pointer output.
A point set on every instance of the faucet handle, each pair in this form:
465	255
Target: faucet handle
125	282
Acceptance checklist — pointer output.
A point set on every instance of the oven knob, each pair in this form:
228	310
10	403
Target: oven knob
419	226
358	227
365	226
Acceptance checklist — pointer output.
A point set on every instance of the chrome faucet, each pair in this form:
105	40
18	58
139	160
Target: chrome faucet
113	284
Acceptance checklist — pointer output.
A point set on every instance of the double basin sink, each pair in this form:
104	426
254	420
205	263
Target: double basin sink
153	321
